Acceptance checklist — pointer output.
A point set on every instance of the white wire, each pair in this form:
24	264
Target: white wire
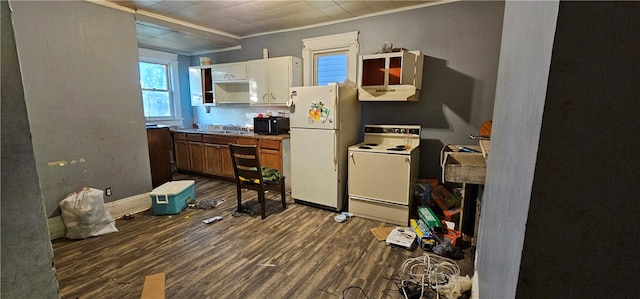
429	270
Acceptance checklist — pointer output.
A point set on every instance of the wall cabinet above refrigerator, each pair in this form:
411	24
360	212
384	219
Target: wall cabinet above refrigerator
395	76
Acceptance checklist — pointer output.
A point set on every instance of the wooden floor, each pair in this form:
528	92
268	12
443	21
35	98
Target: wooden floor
300	252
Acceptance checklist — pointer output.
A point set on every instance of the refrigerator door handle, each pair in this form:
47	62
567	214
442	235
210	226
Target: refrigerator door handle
335	150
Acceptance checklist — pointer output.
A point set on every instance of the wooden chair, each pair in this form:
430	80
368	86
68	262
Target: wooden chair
248	172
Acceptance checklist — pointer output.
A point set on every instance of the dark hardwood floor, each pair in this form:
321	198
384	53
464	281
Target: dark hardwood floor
300	252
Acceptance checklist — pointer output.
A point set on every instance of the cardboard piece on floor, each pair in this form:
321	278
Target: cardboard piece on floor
153	286
382	232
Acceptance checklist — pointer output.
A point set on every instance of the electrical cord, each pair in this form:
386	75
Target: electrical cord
354	287
429	271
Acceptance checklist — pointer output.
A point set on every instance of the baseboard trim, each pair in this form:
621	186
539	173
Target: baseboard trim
117	209
475	287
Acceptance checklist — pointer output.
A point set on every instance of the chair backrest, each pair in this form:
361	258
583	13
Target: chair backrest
246	163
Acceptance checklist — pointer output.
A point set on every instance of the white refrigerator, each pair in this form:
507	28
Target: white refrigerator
324	122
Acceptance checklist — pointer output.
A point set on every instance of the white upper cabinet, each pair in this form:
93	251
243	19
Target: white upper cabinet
270	79
229	71
201	86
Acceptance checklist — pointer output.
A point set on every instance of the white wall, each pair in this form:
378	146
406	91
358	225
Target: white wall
525	56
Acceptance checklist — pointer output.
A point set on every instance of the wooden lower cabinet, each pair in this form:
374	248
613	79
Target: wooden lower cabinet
217	158
159	142
213	154
271	153
181	154
210	154
196	156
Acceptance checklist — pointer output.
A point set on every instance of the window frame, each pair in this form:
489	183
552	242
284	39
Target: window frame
171	61
342	42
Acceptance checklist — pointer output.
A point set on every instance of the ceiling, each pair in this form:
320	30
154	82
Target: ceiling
198	27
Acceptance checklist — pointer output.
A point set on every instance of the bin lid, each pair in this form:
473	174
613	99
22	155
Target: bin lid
172	188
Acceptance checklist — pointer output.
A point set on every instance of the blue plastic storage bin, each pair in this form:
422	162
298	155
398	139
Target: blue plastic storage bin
172	197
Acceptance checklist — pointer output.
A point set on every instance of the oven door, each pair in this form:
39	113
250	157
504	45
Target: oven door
378	176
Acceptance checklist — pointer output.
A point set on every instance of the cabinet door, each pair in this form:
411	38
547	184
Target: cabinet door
271	153
196	157
181	152
271	158
237	71
201	86
227	164
195	85
279	76
258	81
213	159
229	71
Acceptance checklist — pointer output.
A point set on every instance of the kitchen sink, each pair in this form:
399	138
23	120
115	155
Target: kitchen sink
236	132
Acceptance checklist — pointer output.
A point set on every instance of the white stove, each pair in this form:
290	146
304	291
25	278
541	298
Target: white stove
389	139
382	172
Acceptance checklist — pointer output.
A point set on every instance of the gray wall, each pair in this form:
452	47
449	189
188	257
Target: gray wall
520	94
80	72
461	44
27	255
582	230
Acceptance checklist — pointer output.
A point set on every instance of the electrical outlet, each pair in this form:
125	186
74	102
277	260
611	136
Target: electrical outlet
107	191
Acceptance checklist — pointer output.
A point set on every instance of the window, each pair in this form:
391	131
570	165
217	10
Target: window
330	67
156	95
330	58
159	86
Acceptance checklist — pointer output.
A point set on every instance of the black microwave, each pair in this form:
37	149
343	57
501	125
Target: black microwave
271	125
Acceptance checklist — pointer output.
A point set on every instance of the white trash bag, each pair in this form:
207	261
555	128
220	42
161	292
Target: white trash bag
84	214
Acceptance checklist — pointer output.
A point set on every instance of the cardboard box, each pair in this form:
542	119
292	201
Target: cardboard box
172	197
430	219
153	286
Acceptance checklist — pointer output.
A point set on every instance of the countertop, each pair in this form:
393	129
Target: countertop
233	133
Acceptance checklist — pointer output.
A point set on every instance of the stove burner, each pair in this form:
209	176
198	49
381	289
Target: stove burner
364	147
396	149
371	144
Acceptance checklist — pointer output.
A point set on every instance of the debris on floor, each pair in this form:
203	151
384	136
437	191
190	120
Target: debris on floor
381	232
432	276
206	204
342	217
212	220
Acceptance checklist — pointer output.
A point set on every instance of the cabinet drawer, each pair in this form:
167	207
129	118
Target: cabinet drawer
247	141
270	144
219	139
179	136
194	137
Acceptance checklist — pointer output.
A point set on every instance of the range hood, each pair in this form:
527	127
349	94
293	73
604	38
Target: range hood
395	76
